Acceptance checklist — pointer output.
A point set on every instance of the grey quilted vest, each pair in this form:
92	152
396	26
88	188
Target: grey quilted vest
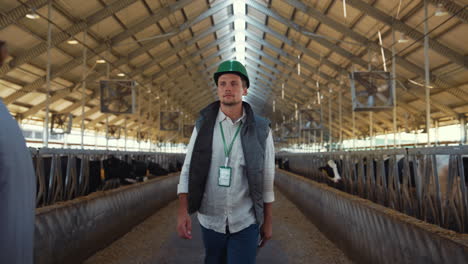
253	137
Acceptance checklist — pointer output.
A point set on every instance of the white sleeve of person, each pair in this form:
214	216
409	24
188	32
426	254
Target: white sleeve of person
269	170
182	187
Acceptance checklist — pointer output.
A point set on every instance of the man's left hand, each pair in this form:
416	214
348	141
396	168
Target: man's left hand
266	231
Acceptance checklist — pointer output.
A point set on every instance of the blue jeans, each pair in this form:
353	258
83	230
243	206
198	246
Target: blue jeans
231	248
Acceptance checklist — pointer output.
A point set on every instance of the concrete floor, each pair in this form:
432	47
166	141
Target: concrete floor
295	240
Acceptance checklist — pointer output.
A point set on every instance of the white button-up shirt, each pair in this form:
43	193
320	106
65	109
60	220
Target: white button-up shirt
232	205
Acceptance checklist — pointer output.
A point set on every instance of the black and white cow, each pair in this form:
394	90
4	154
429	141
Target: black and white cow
332	171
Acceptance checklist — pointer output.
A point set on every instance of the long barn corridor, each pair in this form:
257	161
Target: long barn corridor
357	110
295	241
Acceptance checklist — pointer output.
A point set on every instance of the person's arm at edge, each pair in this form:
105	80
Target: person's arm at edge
266	230
184	222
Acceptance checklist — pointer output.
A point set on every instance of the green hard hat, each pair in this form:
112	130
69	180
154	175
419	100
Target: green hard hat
231	66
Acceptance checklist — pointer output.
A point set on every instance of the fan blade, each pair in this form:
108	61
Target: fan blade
382	88
382	97
362	93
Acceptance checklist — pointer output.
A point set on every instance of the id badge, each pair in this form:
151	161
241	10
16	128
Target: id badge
224	177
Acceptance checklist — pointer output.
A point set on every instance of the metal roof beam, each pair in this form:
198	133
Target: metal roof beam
20	12
442	83
310	68
61	36
454	9
277	71
132	55
188	59
67	67
333	80
413	33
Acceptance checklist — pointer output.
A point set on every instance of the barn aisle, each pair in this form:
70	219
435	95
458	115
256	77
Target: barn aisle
295	240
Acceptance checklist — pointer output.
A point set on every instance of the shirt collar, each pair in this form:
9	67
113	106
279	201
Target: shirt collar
221	116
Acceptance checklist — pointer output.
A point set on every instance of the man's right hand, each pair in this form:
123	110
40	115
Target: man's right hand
184	222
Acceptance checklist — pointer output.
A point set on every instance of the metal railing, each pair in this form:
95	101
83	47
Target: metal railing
436	193
64	174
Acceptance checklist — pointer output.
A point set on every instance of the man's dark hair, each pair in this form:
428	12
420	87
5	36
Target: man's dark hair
244	83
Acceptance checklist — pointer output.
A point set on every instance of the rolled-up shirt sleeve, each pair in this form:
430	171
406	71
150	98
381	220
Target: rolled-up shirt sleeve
182	187
269	170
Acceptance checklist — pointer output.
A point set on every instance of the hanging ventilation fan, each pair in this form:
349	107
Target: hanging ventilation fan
310	119
371	91
117	96
142	136
61	124
417	123
113	132
169	121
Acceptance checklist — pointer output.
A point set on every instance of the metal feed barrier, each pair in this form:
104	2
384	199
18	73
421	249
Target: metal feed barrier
436	200
64	174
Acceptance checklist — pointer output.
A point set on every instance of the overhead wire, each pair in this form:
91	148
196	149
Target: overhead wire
66	32
416	41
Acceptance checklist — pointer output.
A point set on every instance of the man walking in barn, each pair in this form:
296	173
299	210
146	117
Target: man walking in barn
17	189
228	174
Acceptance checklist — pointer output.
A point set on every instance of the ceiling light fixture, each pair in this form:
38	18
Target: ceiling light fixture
100	61
33	15
72	41
403	38
121	74
440	11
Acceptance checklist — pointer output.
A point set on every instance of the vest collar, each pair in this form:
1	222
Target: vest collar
211	112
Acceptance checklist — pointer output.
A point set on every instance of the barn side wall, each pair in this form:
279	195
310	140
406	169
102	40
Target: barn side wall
72	231
370	233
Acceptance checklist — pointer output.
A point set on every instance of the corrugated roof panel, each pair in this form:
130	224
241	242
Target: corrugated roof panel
254	13
26	73
81	8
152	70
125	46
201	26
218	17
224	31
132	14
282	8
32	98
8	5
22	40
141	60
107	27
457	38
160	49
7	88
149	33
195	8
436	60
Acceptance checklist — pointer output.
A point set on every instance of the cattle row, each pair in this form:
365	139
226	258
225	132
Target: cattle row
65	176
430	184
